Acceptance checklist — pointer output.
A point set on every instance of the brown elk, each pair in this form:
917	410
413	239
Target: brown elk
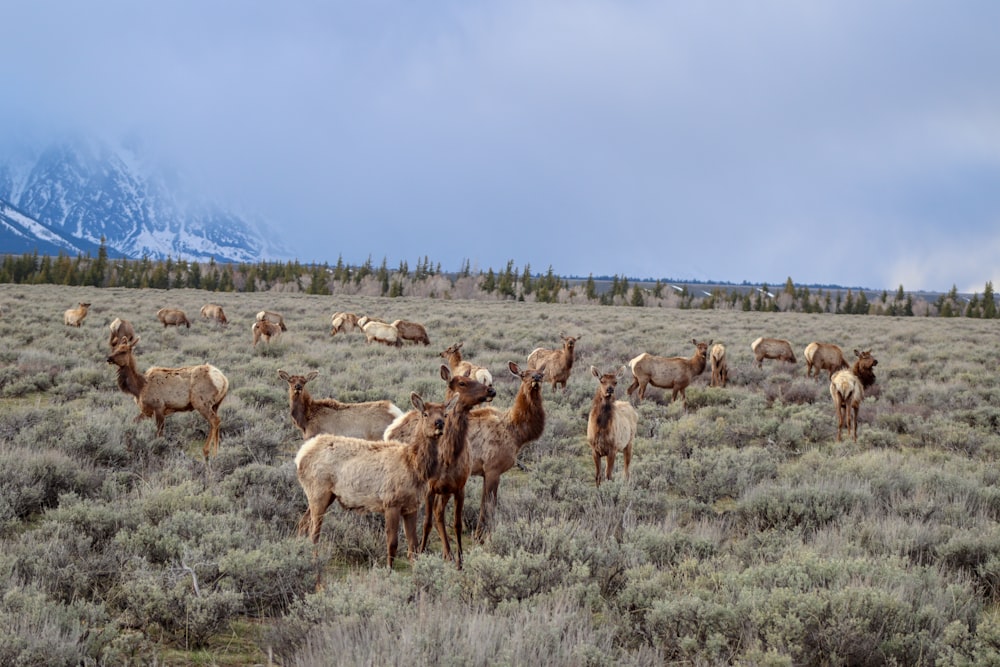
823	357
557	364
674	373
611	426
172	317
847	388
313	416
387	477
120	330
341	322
272	317
720	369
265	330
163	391
453	355
772	348
74	316
412	331
213	311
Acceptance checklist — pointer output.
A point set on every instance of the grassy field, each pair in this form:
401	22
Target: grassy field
746	535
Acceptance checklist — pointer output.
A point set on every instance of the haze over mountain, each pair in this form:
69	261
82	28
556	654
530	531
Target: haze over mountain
70	194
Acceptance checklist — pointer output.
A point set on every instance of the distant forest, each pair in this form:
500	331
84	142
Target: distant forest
427	280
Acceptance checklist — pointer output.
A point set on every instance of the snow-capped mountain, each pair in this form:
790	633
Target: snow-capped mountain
74	193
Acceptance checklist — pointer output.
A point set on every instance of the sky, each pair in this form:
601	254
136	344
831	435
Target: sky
842	142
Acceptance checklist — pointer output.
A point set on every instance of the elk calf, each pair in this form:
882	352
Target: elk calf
612	425
557	364
74	316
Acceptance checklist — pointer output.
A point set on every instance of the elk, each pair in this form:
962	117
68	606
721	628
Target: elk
847	388
274	318
720	369
412	331
377	331
823	357
120	330
265	330
772	348
341	322
556	363
74	316
611	426
313	416
673	373
172	317
453	355
213	311
387	477
163	391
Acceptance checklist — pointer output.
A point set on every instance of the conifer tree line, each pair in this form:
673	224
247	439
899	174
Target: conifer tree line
510	283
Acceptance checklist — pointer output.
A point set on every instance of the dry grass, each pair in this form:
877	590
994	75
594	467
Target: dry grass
745	535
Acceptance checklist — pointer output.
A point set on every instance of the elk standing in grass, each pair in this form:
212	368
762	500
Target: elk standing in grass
313	416
213	311
557	364
272	317
265	330
847	388
772	348
341	322
453	355
823	357
172	317
674	373
387	477
74	316
412	331
120	330
612	425
720	369
163	391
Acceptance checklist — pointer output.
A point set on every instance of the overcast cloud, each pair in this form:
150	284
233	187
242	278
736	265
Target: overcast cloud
832	141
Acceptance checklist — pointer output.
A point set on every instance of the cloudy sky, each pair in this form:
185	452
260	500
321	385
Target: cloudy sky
831	141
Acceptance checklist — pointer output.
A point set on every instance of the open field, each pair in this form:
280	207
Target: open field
746	535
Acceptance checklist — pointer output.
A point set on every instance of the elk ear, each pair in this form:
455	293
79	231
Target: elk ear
621	372
445	373
283	375
514	368
417	401
597	373
135	341
311	375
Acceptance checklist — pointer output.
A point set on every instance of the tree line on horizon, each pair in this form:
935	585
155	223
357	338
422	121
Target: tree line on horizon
427	279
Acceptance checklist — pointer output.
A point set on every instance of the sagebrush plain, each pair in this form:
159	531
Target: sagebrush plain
746	535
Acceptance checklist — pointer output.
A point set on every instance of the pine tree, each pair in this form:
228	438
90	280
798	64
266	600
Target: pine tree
989	301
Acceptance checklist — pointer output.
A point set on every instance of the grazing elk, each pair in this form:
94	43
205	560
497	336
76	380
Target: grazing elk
272	317
313	416
172	317
377	331
611	426
74	316
387	477
674	373
163	391
342	322
823	357
265	330
556	363
411	331
453	355
720	369
772	348
213	311
120	330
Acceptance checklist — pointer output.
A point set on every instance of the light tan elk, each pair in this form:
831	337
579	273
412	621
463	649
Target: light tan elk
674	373
720	368
387	477
557	364
265	330
163	391
213	311
847	388
611	426
74	316
274	318
341	322
313	416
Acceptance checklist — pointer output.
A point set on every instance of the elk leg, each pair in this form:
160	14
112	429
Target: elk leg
391	533
410	530
428	508
628	458
597	468
459	508
440	505
487	505
611	464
